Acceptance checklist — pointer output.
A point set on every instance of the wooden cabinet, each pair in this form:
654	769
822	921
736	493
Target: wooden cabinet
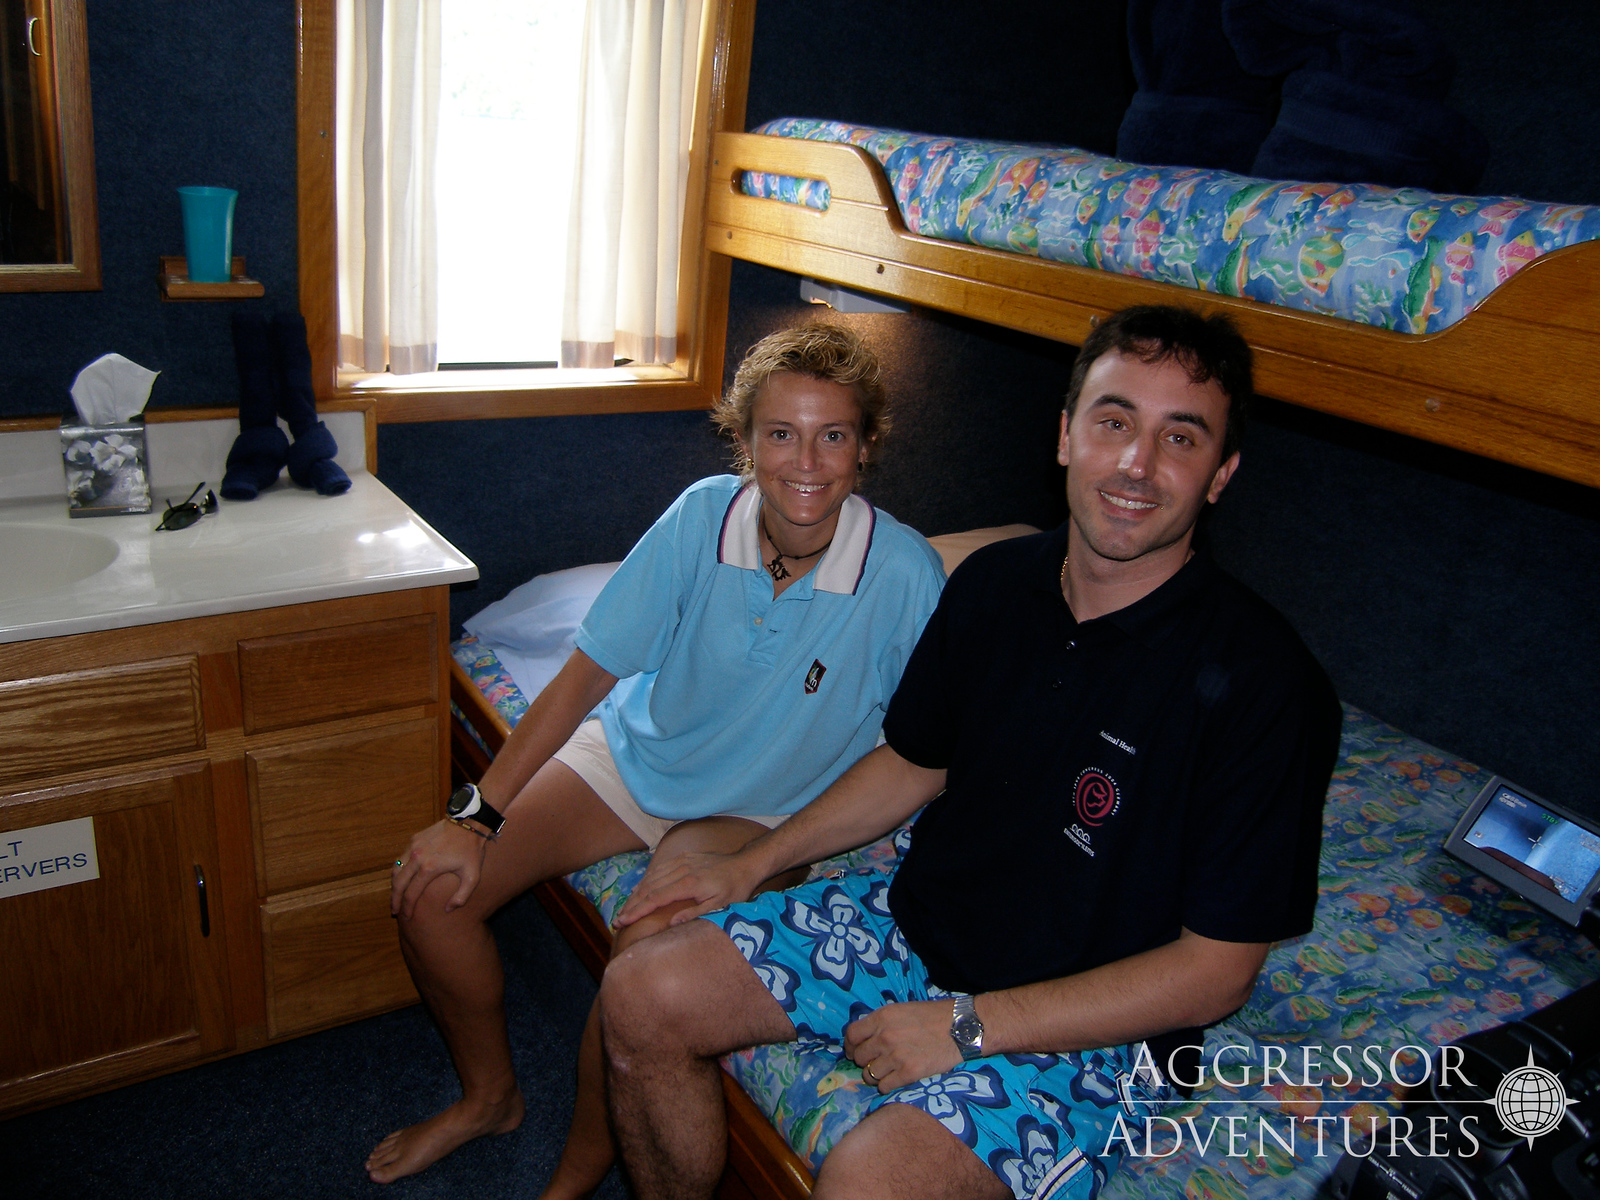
248	779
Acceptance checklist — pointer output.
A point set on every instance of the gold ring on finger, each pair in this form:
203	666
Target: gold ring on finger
870	1076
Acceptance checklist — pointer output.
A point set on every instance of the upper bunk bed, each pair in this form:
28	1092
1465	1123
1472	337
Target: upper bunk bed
1466	321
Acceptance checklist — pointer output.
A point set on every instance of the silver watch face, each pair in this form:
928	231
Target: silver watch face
463	801
967	1031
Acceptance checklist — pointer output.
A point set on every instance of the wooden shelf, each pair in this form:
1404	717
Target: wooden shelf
176	284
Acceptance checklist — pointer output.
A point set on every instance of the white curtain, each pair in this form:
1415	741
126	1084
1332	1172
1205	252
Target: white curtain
640	62
388	114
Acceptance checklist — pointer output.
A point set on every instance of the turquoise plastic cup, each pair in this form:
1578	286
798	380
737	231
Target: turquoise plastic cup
208	232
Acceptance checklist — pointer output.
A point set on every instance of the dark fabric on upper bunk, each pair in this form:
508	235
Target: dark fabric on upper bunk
1364	86
1196	106
1363	93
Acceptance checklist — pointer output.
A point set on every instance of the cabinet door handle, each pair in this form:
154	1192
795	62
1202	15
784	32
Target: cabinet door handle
205	908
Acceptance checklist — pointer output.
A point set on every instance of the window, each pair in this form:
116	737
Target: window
508	112
690	381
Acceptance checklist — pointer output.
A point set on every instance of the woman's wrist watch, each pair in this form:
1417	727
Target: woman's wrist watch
468	804
965	1028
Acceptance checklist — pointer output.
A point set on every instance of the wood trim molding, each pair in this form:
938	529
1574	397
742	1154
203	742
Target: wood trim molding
694	379
365	405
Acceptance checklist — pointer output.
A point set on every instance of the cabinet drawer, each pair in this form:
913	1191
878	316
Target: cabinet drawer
301	678
342	805
332	954
86	719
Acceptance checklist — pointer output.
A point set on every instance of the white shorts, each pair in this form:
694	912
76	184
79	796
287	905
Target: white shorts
587	753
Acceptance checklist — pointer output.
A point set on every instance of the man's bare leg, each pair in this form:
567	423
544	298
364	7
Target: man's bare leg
591	1150
669	1006
901	1153
555	825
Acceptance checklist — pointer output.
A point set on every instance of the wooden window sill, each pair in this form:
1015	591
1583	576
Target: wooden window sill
526	392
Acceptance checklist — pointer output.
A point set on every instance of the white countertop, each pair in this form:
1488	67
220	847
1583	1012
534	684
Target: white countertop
288	546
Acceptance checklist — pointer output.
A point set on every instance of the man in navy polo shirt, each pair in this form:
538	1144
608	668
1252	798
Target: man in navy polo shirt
1123	753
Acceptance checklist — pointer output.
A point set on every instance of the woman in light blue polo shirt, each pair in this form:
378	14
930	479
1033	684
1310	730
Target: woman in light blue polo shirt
739	660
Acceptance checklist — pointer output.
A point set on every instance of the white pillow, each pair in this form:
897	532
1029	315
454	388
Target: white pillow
531	630
954	547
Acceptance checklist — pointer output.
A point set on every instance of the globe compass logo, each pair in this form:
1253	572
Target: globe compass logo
1530	1101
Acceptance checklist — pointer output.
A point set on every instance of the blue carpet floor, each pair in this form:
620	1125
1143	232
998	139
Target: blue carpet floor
297	1119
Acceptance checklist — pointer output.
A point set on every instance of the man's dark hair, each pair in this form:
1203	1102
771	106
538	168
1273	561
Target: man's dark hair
1206	347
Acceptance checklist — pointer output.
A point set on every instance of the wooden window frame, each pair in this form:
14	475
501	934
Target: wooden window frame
691	381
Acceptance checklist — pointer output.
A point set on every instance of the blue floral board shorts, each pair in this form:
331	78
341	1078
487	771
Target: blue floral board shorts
830	952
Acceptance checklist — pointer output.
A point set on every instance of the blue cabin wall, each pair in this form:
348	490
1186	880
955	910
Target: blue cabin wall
1447	594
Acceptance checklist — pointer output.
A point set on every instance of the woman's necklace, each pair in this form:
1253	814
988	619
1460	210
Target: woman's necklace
1064	573
775	568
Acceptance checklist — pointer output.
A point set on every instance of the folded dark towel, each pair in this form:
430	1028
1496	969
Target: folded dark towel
254	463
311	462
1384	44
1196	105
257	457
311	457
1333	128
1193	131
1364	87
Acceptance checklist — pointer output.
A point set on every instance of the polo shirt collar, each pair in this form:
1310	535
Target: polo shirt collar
1150	617
841	568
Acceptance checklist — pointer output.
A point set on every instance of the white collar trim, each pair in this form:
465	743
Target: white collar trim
841	568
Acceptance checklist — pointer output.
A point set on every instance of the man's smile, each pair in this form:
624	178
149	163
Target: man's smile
1125	502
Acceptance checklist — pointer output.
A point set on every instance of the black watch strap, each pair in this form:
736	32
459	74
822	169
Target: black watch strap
468	804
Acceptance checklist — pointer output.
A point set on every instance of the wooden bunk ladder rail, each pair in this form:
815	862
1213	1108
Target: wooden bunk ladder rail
1510	382
761	1164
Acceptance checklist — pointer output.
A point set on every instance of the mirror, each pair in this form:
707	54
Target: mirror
49	233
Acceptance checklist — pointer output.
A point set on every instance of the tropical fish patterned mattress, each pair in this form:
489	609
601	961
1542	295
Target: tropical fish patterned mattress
1410	950
1398	258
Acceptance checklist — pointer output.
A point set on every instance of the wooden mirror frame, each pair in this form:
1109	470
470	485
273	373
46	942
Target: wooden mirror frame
75	128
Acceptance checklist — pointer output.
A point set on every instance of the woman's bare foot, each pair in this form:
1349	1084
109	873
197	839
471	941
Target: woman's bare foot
417	1147
579	1176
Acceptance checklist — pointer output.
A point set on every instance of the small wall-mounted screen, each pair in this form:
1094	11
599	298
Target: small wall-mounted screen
1541	850
1533	841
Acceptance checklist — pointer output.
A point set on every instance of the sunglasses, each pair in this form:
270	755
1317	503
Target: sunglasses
181	516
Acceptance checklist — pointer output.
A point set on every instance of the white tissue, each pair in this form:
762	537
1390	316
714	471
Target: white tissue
111	390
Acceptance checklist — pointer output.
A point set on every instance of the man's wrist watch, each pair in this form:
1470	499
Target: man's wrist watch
965	1028
468	804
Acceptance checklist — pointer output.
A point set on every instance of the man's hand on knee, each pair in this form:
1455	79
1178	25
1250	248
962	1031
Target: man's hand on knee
443	848
902	1043
697	883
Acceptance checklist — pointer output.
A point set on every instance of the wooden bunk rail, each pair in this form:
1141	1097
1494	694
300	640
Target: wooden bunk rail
1510	382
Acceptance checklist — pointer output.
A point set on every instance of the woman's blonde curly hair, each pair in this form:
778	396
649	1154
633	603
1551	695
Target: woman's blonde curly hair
819	351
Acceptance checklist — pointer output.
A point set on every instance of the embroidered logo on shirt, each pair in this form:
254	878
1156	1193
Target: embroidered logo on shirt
1117	742
814	676
1095	796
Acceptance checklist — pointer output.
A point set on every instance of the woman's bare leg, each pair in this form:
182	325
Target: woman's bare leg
555	825
591	1150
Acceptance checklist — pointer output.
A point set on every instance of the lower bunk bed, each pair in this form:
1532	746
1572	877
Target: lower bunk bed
1410	950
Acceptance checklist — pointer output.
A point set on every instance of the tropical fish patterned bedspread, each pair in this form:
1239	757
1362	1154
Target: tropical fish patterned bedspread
1397	258
1410	950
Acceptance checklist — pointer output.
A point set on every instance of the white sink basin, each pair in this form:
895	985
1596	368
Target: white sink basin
36	560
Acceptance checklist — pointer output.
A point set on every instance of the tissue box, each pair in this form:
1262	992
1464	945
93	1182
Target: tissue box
107	469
